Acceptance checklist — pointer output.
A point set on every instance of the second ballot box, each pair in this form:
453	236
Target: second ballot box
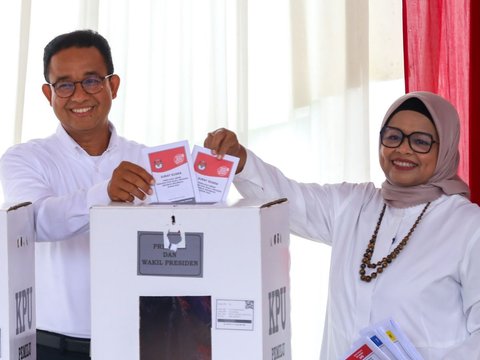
191	281
17	283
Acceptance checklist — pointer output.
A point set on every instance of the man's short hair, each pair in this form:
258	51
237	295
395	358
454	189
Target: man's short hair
79	39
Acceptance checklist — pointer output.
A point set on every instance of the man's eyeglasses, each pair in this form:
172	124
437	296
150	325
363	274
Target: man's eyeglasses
91	85
419	142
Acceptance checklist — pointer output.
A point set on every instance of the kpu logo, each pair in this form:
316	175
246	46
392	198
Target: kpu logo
24	306
277	300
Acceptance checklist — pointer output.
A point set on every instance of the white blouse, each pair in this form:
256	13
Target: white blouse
432	289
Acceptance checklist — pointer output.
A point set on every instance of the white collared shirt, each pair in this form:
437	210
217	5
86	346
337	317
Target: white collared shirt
432	289
63	182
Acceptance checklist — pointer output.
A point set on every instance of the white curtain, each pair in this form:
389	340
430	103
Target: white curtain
303	82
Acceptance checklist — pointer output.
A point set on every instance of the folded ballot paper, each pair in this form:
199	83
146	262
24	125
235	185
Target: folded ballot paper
383	341
213	176
182	177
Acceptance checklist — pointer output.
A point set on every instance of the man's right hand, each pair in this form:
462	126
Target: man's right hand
130	181
223	141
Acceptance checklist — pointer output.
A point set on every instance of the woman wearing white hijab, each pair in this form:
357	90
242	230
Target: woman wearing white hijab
409	251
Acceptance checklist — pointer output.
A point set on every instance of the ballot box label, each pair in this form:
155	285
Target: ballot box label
176	255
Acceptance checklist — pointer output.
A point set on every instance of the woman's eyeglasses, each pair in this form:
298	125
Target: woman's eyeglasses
419	142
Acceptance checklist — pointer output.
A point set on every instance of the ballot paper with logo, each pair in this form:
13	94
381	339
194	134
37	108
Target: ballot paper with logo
396	340
384	340
365	349
372	333
213	176
171	166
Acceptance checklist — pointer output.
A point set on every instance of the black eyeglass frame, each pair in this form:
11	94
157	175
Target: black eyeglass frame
409	139
81	82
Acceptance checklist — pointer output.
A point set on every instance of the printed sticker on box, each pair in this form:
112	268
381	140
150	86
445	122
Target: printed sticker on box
235	314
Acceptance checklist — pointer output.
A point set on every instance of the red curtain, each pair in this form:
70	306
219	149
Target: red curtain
442	55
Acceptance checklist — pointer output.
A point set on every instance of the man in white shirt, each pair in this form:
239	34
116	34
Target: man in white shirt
84	163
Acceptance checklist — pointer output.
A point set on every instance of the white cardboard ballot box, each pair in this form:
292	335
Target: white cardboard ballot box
17	283
192	282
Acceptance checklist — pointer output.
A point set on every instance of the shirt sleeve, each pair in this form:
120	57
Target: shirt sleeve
470	278
310	205
57	217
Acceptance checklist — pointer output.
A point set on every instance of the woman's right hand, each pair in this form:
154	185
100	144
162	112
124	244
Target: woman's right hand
223	141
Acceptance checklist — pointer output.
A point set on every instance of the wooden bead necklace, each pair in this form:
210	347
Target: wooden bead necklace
382	264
